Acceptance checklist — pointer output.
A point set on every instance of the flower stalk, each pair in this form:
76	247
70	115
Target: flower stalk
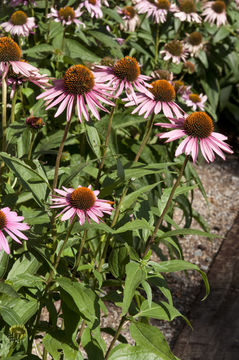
14	99
4	111
160	220
82	244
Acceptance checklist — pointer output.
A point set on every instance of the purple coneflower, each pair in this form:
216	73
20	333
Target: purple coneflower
10	55
195	101
19	24
22	2
158	9
124	75
194	43
11	223
14	80
82	202
181	88
175	51
67	15
163	99
93	7
130	17
215	11
187	11
79	84
198	129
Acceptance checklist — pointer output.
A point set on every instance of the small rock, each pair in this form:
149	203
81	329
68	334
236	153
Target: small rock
198	253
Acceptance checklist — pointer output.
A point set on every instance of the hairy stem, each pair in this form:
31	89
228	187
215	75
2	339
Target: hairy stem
14	99
4	111
58	158
33	135
82	244
118	331
106	142
159	222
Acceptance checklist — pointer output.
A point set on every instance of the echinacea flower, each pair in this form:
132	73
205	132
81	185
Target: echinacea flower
15	80
181	88
215	11
195	101
189	67
19	24
82	202
162	74
164	95
11	223
130	17
22	2
93	7
67	15
124	75
158	9
198	129
194	43
34	123
187	11
175	51
78	85
10	55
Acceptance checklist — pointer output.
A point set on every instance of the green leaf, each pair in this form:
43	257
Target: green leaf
128	352
27	263
9	315
84	298
148	290
134	225
220	35
4	258
93	139
152	339
134	276
109	42
77	51
55	347
117	261
129	199
179	265
160	311
8	290
212	89
112	13
184	231
33	180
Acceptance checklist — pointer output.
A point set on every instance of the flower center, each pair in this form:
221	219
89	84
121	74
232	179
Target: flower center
187	6
9	50
66	13
163	4
82	198
199	125
127	68
18	18
178	84
162	90
194	98
219	6
174	47
163	74
195	38
129	11
35	122
3	220
189	66
78	79
92	2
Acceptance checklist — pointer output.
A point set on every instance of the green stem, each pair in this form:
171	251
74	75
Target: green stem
82	244
125	190
14	99
31	145
58	158
148	130
118	331
46	8
50	277
156	47
60	252
160	220
106	141
4	111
